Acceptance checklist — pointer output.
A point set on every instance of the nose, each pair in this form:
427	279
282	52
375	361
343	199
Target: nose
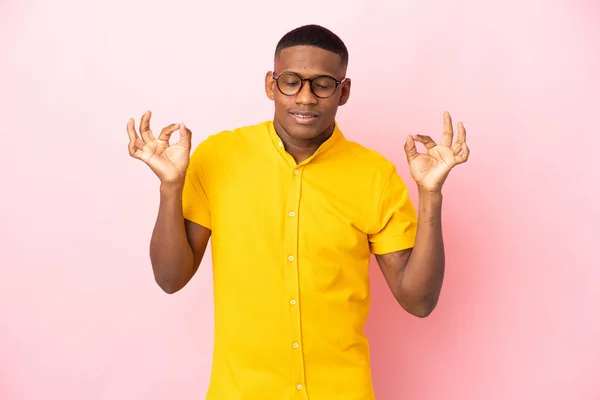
305	95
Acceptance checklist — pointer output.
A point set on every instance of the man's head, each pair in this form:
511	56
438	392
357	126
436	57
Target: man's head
306	111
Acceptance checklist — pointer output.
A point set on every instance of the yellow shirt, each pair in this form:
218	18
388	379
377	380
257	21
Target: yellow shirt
291	245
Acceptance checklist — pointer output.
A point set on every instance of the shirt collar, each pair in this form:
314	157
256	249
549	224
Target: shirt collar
335	137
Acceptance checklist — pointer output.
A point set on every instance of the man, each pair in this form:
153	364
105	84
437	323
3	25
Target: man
294	211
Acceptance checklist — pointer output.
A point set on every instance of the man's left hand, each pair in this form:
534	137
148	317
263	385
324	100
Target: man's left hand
429	170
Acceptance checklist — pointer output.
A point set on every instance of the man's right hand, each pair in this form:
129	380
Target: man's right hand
169	162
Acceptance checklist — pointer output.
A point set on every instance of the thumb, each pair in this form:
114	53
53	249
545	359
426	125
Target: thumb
410	148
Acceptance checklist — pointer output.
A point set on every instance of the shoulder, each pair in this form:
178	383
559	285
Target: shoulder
226	139
365	159
365	167
227	145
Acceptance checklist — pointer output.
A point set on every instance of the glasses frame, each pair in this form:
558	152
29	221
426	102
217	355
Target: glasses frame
310	80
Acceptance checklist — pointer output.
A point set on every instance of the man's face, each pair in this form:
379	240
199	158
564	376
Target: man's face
305	116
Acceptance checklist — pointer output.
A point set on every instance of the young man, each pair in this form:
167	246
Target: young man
294	211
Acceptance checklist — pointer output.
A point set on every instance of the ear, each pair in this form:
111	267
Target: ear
345	92
270	85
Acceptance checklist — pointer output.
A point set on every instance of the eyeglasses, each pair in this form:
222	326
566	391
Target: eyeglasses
322	86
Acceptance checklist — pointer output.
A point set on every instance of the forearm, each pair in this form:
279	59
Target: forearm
424	273
170	251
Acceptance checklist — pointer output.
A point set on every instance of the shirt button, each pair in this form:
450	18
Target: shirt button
299	387
293	302
280	144
291	258
295	172
292	214
295	345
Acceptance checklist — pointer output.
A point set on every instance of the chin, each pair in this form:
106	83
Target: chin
305	130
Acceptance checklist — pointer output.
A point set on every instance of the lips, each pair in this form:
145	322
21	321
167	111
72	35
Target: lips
303	117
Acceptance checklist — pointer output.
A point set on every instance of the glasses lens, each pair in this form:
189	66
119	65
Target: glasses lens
289	84
324	86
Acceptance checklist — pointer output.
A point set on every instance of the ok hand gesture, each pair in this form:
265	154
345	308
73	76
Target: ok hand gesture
430	169
168	161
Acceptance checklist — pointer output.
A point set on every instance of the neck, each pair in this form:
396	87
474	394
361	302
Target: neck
301	149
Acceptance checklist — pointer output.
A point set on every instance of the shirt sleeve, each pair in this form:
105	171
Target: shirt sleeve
397	219
196	202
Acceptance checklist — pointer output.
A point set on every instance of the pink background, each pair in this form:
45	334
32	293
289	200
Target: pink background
80	315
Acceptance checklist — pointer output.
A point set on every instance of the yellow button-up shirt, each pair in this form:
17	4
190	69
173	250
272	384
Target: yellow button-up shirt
291	245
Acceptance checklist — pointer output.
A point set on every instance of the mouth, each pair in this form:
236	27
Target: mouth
302	117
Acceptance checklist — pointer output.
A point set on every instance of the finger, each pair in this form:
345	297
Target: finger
166	133
426	140
462	138
131	130
410	148
139	144
462	133
134	150
133	136
134	140
456	147
145	127
463	155
448	132
185	136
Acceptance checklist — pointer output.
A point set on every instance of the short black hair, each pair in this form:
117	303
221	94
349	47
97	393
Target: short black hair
314	35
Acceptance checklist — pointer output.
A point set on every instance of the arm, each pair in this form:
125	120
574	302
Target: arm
177	245
415	275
